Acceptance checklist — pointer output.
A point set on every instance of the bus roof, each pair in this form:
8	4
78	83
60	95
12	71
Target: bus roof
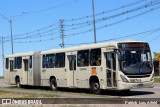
87	46
75	48
19	54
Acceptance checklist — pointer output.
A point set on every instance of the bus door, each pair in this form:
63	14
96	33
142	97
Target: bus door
111	69
11	67
25	71
72	70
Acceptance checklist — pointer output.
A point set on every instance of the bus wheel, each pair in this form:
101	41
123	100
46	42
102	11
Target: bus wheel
95	87
18	84
53	84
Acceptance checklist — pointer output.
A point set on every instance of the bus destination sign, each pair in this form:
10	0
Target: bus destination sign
132	45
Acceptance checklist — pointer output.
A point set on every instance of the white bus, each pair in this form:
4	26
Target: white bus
112	65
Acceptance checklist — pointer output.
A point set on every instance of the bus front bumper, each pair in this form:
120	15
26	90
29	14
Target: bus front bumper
124	86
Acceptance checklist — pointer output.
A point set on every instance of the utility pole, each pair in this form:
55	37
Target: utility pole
3	54
10	21
62	32
11	35
94	24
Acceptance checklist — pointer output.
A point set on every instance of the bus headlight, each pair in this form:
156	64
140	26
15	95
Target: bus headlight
124	79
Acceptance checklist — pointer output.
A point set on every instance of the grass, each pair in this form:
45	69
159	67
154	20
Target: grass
157	79
9	94
1	77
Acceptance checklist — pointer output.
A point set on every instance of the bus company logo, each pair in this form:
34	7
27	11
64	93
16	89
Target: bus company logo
21	101
6	101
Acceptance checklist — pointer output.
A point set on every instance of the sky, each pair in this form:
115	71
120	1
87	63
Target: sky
36	23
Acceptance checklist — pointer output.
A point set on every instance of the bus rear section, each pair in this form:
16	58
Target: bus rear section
22	69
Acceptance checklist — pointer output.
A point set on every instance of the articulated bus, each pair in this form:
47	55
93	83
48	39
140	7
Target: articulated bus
112	65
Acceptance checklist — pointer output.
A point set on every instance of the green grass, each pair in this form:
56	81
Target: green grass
157	79
9	94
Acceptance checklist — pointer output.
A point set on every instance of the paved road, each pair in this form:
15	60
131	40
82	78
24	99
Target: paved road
135	93
3	84
145	92
107	97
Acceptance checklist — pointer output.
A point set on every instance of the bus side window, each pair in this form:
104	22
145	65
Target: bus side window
15	63
114	61
7	63
11	65
30	62
44	61
110	56
83	58
72	62
25	64
95	59
19	62
50	61
60	60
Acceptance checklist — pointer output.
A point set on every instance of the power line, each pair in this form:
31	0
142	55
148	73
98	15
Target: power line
129	11
108	11
40	34
37	30
154	30
34	36
88	23
149	4
43	32
154	39
117	22
47	9
4	17
121	37
150	33
27	35
31	41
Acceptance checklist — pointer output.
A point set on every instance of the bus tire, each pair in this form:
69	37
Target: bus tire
95	87
53	84
18	84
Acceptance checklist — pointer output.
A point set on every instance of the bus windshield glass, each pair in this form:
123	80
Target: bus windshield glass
135	58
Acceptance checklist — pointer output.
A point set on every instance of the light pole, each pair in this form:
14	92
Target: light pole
10	21
94	24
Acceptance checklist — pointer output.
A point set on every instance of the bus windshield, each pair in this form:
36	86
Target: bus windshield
135	58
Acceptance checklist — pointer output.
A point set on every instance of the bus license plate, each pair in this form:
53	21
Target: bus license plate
135	80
